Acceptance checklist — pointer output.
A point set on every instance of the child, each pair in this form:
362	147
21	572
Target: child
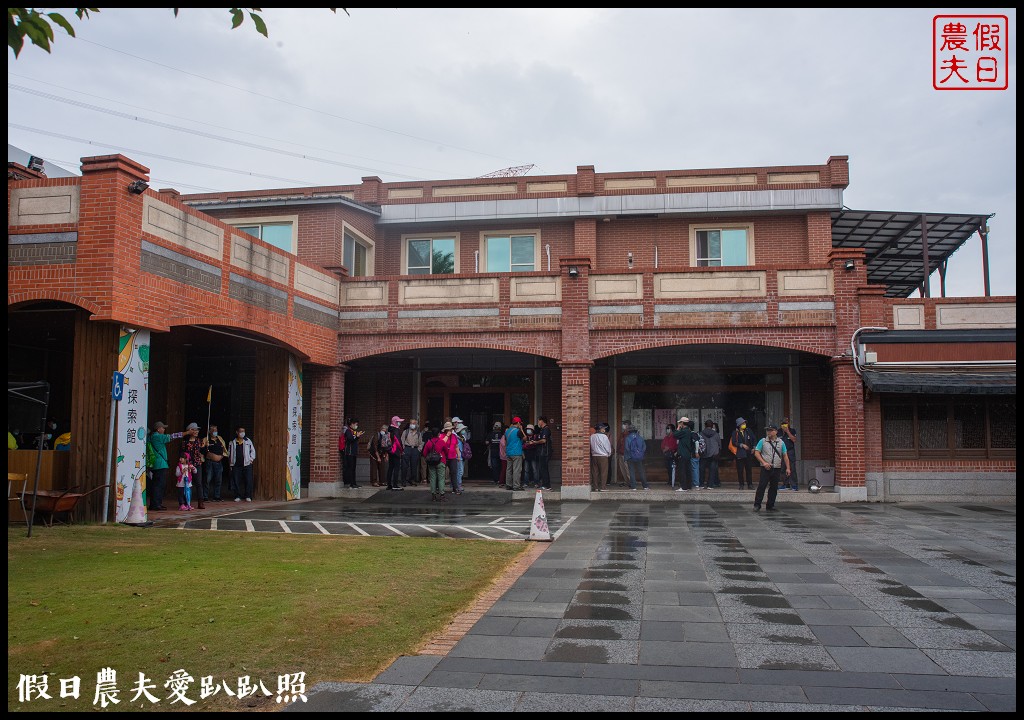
184	472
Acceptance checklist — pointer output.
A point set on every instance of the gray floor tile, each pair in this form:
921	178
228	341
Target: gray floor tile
884	660
699	654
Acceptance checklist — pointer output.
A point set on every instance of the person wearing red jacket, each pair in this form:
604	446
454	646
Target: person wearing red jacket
446	446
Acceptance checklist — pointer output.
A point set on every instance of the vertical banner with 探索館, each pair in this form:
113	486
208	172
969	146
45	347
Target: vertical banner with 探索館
132	412
294	455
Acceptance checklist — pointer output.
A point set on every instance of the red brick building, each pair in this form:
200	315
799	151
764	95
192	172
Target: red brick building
584	297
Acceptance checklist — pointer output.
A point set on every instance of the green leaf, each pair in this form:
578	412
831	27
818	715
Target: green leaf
236	18
59	19
261	27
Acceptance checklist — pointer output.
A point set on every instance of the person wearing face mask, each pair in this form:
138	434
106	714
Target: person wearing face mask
531	469
378	450
668	451
241	455
412	445
350	454
621	468
215	450
742	445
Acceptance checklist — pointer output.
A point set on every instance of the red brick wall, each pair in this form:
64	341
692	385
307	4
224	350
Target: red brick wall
817	428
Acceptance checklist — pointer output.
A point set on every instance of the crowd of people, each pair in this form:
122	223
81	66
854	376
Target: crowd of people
199	472
403	454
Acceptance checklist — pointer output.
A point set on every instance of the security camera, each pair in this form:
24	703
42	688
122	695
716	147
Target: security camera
574	272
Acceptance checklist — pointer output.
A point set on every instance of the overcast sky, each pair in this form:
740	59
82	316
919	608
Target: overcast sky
410	94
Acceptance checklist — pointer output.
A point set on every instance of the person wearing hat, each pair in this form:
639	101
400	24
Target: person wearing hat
192	448
771	455
493	442
741	443
685	478
395	453
514	439
600	457
158	441
446	447
465	453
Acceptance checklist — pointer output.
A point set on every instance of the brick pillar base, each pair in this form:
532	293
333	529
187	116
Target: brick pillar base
327	421
575	436
848	396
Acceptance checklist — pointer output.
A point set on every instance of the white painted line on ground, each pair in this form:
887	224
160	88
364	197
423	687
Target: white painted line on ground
428	529
249	527
284	526
511	532
492	522
357	529
394	530
320	527
471	530
213	523
562	529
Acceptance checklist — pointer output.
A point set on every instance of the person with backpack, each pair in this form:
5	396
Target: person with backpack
465	455
696	448
437	452
712	447
378	448
741	444
772	456
348	446
636	451
395	454
514	438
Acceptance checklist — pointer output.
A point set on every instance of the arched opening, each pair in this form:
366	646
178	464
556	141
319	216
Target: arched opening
652	388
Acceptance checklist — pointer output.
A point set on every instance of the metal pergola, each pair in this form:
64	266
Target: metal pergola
24	391
904	248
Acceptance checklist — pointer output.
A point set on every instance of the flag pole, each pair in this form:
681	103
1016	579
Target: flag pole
202	480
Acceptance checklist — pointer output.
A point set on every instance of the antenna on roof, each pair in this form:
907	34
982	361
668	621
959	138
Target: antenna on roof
514	171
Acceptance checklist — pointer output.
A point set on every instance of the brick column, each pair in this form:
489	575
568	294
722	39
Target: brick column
847	388
326	423
576	364
575	433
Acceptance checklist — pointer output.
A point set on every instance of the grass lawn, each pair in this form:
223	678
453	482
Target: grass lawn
226	605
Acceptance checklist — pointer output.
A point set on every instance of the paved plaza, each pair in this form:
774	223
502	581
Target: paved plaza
687	606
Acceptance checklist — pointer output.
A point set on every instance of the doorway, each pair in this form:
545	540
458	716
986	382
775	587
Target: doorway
479	411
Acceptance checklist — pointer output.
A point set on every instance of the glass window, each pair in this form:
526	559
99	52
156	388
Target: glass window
431	256
933	427
515	253
721	248
277	234
355	256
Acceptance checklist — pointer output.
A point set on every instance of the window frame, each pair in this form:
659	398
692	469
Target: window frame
700	227
407	238
368	245
485	238
292	220
950	452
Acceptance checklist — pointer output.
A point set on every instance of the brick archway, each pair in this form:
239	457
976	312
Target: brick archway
230	323
823	347
23	298
546	345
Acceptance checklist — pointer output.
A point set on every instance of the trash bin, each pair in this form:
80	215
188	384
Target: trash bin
825	476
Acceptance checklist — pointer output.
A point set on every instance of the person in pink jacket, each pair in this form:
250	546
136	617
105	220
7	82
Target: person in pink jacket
439	452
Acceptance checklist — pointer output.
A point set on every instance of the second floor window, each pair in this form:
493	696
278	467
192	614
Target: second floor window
431	256
722	247
277	234
355	256
511	253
